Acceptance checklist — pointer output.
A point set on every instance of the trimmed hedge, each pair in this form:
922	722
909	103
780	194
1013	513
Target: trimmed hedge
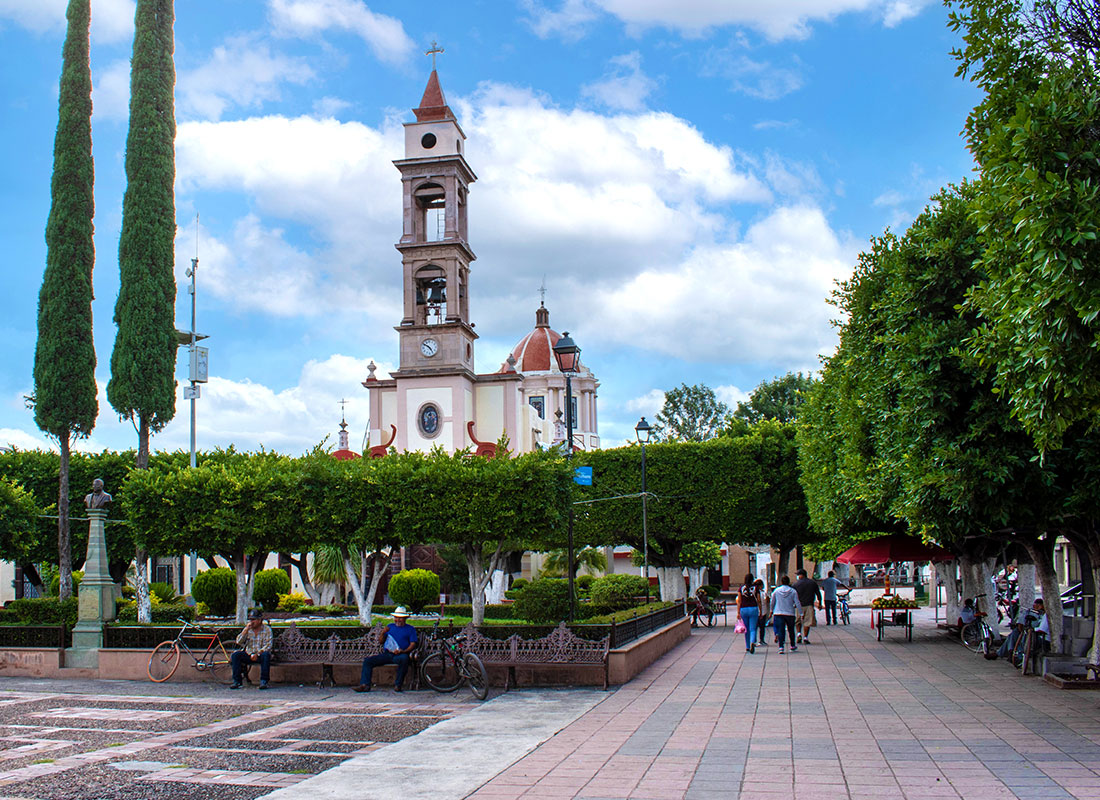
415	588
44	611
615	592
267	586
159	614
544	600
713	592
218	589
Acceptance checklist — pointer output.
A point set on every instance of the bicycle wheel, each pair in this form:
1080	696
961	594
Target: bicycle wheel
476	675
440	672
217	665
163	661
971	636
846	617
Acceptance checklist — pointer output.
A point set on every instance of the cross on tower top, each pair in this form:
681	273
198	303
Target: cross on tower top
542	291
342	404
435	49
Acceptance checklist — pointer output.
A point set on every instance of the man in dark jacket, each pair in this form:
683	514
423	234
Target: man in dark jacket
809	593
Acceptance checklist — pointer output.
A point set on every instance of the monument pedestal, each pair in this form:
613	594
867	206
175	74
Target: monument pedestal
96	598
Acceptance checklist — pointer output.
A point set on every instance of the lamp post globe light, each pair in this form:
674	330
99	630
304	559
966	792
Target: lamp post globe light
643	431
568	356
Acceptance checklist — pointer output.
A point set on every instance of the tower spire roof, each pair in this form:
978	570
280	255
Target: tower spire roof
433	105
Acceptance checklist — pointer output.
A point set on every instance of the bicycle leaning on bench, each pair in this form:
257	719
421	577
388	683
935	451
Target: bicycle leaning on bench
976	634
447	669
165	658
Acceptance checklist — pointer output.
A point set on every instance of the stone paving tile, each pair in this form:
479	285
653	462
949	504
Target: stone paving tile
869	721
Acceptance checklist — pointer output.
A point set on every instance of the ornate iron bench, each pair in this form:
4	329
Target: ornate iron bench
562	648
292	648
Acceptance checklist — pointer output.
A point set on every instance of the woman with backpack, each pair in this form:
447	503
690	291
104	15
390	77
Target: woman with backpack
748	611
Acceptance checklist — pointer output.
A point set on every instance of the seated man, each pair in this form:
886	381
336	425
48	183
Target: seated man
702	603
398	640
255	641
1035	617
967	613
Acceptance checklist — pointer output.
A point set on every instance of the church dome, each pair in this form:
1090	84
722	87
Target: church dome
535	352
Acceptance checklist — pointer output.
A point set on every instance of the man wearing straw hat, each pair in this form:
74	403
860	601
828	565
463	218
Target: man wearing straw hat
398	640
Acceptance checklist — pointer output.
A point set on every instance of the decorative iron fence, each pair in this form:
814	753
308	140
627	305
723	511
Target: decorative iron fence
35	636
637	627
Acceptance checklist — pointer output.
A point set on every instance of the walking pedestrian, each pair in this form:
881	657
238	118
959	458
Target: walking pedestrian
748	609
808	593
764	599
785	610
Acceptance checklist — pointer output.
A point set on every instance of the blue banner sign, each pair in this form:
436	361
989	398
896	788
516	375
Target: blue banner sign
583	476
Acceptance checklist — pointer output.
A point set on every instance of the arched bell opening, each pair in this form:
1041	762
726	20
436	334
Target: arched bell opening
431	208
431	295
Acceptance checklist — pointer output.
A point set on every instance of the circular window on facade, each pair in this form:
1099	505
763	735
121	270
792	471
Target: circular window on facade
427	141
427	419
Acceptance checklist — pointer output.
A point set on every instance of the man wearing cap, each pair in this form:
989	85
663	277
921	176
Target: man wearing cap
398	640
255	641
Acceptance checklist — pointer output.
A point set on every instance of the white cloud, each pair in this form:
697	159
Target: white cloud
774	124
329	106
384	35
760	79
791	178
890	198
776	20
23	440
648	404
759	300
241	72
731	396
624	86
111	91
112	20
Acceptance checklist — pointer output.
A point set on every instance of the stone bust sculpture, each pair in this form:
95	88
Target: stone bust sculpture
98	498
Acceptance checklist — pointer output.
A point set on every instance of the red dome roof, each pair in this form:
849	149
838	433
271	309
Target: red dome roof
534	353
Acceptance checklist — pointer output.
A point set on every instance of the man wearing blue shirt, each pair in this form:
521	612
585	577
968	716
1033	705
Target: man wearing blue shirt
398	640
828	587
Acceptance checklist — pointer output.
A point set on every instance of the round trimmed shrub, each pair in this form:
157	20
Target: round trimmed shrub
616	592
218	589
519	583
268	585
712	591
414	588
584	584
543	600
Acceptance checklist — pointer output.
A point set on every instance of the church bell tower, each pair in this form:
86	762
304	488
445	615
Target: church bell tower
435	333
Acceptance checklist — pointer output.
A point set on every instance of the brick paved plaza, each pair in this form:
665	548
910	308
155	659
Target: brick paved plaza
869	720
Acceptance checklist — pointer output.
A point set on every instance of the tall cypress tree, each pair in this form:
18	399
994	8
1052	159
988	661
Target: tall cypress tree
65	404
142	388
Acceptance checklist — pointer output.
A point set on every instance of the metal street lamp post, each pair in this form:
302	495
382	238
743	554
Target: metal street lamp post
643	431
568	356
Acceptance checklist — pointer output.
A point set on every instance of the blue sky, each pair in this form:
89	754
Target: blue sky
688	176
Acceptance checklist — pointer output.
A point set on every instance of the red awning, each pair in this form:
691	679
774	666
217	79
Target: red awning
895	547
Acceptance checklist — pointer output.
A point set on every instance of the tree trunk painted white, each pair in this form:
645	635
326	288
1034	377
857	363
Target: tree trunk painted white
141	579
1043	556
947	572
494	592
967	581
696	575
1094	650
1025	584
324	594
479	573
364	597
984	574
843	571
672	582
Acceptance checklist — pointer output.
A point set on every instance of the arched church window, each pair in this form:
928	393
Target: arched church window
431	294
538	402
428	420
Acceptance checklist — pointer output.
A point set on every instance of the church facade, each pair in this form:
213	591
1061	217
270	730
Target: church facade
435	398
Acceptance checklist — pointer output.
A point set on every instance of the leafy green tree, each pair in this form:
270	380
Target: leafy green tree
697	493
415	588
64	400
690	414
18	514
778	399
482	505
142	387
1034	136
